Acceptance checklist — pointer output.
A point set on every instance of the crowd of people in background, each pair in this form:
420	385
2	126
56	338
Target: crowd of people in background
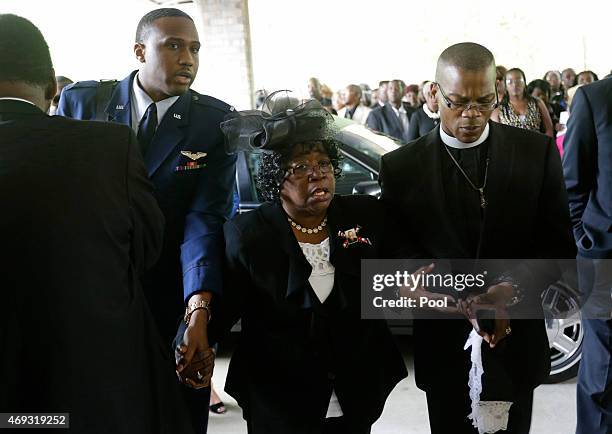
133	228
541	104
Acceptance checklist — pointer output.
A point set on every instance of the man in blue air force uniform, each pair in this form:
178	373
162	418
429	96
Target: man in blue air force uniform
182	145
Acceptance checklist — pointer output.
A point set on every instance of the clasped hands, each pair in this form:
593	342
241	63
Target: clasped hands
194	358
495	299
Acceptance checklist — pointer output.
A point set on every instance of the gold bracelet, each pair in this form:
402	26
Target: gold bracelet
191	308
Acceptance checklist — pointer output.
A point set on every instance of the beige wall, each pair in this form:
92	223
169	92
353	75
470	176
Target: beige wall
343	41
340	41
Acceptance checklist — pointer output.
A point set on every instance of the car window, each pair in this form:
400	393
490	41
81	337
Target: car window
368	142
352	174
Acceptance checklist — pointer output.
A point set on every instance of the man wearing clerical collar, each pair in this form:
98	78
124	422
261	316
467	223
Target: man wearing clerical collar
428	117
472	91
478	190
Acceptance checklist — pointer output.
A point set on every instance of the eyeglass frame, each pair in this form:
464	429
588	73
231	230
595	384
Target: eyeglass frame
312	167
512	81
465	107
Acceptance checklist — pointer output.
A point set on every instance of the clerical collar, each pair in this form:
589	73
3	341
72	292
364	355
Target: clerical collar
429	113
17	99
453	142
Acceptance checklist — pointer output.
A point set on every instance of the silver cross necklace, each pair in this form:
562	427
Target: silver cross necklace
483	201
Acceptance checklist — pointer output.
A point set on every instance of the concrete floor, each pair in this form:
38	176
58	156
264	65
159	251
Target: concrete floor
406	410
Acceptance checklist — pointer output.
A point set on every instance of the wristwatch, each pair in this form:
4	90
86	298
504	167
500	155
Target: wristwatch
192	307
518	292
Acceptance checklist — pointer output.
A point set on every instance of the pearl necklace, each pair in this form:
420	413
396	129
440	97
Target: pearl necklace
308	230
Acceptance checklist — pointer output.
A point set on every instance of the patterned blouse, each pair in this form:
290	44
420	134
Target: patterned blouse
530	121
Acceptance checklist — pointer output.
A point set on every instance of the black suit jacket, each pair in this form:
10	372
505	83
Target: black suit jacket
79	226
282	363
420	124
526	217
587	164
385	120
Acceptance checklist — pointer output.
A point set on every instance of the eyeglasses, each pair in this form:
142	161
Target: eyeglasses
511	81
462	107
303	169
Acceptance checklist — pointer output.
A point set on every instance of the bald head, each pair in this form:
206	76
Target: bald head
465	90
467	56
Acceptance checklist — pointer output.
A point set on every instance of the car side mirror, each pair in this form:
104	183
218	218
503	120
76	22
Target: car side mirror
367	187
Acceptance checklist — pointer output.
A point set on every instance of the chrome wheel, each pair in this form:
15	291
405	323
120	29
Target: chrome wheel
564	330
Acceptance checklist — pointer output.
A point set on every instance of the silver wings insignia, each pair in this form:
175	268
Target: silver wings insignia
195	156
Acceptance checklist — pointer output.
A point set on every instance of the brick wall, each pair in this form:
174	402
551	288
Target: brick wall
226	70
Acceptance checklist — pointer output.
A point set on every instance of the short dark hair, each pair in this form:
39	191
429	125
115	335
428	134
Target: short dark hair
543	85
62	81
465	55
355	89
500	72
147	21
400	83
595	78
552	71
24	53
273	166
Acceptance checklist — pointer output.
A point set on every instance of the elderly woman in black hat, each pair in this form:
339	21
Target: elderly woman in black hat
305	362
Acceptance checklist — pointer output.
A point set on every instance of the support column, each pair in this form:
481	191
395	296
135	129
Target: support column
226	66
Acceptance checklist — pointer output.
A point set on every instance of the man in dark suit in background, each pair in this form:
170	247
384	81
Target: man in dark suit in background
426	117
79	226
393	118
476	189
183	147
587	164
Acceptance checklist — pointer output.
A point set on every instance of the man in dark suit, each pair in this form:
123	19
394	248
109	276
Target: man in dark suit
393	118
427	117
587	164
79	226
475	189
178	130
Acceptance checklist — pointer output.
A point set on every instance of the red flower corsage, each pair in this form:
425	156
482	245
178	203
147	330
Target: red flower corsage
351	236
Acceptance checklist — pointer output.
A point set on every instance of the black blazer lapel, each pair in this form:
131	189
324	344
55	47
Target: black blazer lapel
299	268
338	255
498	196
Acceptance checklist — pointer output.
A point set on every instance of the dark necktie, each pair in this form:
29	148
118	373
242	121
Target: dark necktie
147	127
348	114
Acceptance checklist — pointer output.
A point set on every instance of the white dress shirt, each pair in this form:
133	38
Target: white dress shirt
141	101
402	115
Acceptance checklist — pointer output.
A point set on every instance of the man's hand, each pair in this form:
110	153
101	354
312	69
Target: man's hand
194	357
496	299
